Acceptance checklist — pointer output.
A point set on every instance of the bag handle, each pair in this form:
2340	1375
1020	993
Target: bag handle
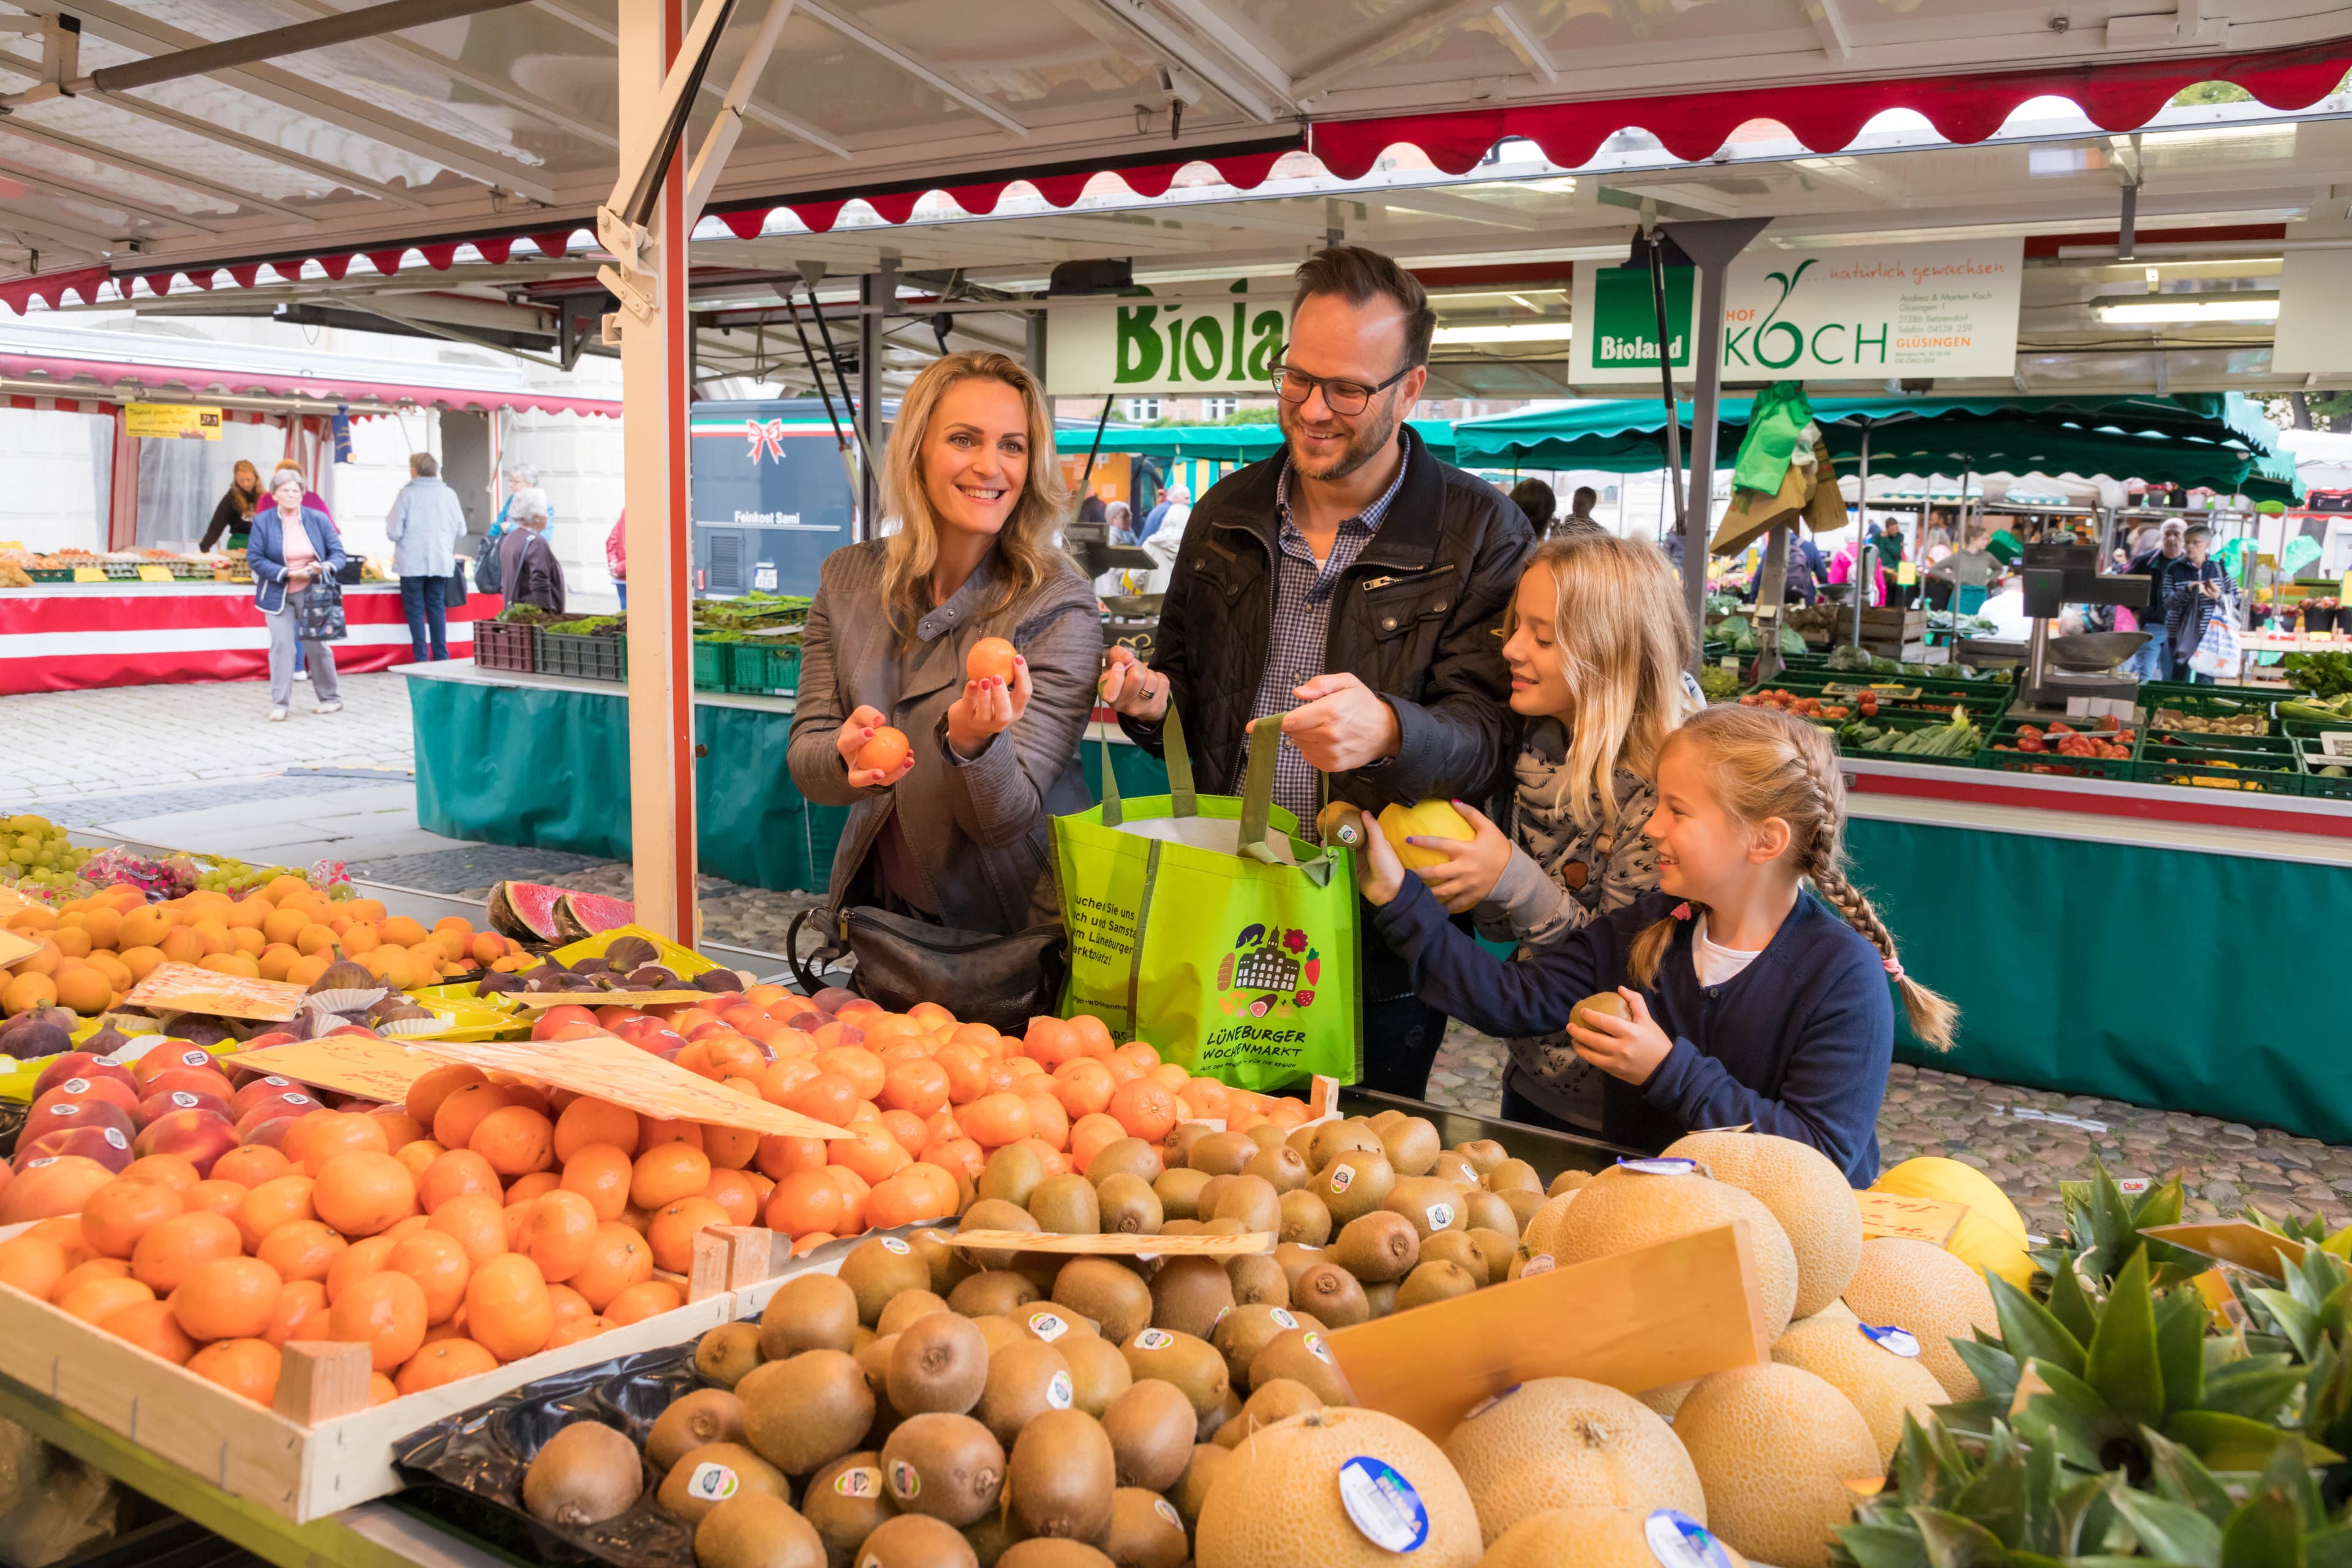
1183	800
1257	785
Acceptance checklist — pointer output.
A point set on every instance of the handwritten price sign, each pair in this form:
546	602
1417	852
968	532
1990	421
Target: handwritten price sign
1913	1219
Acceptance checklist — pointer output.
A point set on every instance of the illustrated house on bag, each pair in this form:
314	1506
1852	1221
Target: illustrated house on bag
1268	968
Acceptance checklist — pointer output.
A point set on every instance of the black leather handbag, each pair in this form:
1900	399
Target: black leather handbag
982	978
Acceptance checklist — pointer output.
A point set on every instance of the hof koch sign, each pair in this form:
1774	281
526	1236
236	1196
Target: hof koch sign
1859	312
1168	343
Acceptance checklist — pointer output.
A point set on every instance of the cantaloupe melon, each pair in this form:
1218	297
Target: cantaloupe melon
1557	1442
1930	1293
1775	1447
1809	1195
1882	1383
1279	1498
1668	1399
1623	1209
1543	1226
1951	1182
1583	1538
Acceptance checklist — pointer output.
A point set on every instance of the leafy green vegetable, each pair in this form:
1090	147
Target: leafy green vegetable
2321	674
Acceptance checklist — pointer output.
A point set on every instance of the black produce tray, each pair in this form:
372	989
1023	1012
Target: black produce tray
468	1469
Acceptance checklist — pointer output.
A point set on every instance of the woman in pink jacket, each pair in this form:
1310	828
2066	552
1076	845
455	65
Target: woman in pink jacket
1847	561
616	556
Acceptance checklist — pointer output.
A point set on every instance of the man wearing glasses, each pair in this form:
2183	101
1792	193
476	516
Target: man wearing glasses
1355	585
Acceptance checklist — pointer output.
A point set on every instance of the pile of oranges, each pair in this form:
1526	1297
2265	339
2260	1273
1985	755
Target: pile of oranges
926	1100
94	950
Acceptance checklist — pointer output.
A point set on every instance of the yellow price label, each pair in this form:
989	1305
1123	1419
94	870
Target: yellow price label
89	575
1905	573
151	572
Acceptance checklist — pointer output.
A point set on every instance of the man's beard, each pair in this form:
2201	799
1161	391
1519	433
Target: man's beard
1368	441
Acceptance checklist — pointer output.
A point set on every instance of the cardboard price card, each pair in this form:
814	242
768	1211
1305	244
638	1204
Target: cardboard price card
184	988
614	1069
1119	1244
15	944
2235	1241
373	1069
1930	1220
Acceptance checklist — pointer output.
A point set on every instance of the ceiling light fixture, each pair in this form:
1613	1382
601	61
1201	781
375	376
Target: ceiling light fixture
1507	332
2182	310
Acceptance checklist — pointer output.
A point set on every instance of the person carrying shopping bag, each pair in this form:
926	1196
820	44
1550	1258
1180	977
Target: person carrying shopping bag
295	554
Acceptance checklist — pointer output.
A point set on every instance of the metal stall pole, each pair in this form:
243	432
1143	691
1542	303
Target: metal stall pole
871	302
1771	588
1711	244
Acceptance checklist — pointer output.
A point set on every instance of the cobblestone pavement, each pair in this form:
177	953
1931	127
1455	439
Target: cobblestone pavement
2009	1134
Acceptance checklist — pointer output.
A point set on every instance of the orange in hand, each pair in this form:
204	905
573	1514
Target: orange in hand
884	753
991	658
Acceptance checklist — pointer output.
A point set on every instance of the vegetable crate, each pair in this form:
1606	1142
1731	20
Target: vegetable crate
2003	750
583	657
1877	737
505	645
2209	707
765	667
2244	762
712	661
2317	782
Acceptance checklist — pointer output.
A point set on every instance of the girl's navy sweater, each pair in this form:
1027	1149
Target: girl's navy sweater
1796	1045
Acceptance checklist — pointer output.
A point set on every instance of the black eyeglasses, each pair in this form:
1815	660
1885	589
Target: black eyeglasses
1342	396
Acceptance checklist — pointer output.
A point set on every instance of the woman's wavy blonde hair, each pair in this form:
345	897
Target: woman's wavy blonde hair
1024	547
1622	640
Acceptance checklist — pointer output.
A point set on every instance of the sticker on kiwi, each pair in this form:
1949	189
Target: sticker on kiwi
892	1244
1222	1312
1059	1392
184	1099
1282	1318
1678	1541
858	1481
1048	1326
1154	1339
1662	1165
906	1481
1382	1505
115	1137
712	1482
1315	1347
1440	1216
1541	1263
1166	1510
1899	1340
1342	1178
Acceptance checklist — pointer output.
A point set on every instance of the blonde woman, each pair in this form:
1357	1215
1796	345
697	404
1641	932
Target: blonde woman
1597	644
957	832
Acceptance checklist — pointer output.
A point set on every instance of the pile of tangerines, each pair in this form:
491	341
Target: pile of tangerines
484	1220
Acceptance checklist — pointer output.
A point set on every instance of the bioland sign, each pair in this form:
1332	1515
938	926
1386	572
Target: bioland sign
1846	313
1167	343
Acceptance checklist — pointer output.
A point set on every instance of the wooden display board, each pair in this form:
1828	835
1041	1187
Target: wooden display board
1117	1244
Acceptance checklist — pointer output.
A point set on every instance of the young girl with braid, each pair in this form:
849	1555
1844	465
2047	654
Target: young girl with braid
1749	998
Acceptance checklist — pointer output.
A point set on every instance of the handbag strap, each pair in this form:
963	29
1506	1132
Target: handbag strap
1183	800
1257	785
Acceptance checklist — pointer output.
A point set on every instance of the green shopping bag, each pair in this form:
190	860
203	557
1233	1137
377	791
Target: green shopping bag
1231	948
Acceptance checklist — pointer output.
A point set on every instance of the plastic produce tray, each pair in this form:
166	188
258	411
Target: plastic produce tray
2253	767
2049	763
765	667
2311	759
505	645
1909	722
583	657
2204	706
712	660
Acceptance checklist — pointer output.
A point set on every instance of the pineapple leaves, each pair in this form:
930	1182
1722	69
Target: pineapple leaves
2180	1477
2254	1387
2069	1302
1953	1542
2122	1365
2181	1317
2236	1443
2172	1530
2030	1331
2266	1534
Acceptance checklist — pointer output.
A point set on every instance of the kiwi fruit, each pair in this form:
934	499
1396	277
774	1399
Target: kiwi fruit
995	1214
1297	1258
1267	1134
1497	1250
1244	1332
1454	1168
1302	1140
1204	1202
873	1358
1012	1173
585	1474
1484	1153
1251	1200
1282	1168
1146	1532
995	1292
1206	1428
1061	1475
1437	1280
1431	1202
1192	1488
1179	1191
1459	1247
998	1332
1303	1218
1567	1182
1380	1299
1258	1280
703	1478
691	1420
1176	1148
1411	1144
1491	1211
1125	1157
949	1467
1181	1227
1107	1292
724	1354
845	1501
1332	1294
1044	1551
757	1529
1150	1429
1523	1206
1356	1182
1333	1139
1188	1361
879	1269
938	1253
1099	1372
915	1541
1128	1206
1301	1355
905	1308
1188	1296
990	1536
1513	1173
1277	1399
940	1363
1051	1322
803	1412
1376	1247
1066	1205
1222	1153
1024	1379
809	1313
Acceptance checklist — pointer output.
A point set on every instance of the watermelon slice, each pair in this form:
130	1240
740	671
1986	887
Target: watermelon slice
525	911
582	915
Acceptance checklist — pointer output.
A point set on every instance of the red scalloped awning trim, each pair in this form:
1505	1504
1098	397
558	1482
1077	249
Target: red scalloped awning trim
51	288
92	383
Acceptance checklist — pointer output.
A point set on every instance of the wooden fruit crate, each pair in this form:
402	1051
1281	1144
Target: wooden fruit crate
323	1448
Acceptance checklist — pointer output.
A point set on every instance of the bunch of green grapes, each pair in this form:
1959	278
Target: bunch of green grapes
34	849
228	875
